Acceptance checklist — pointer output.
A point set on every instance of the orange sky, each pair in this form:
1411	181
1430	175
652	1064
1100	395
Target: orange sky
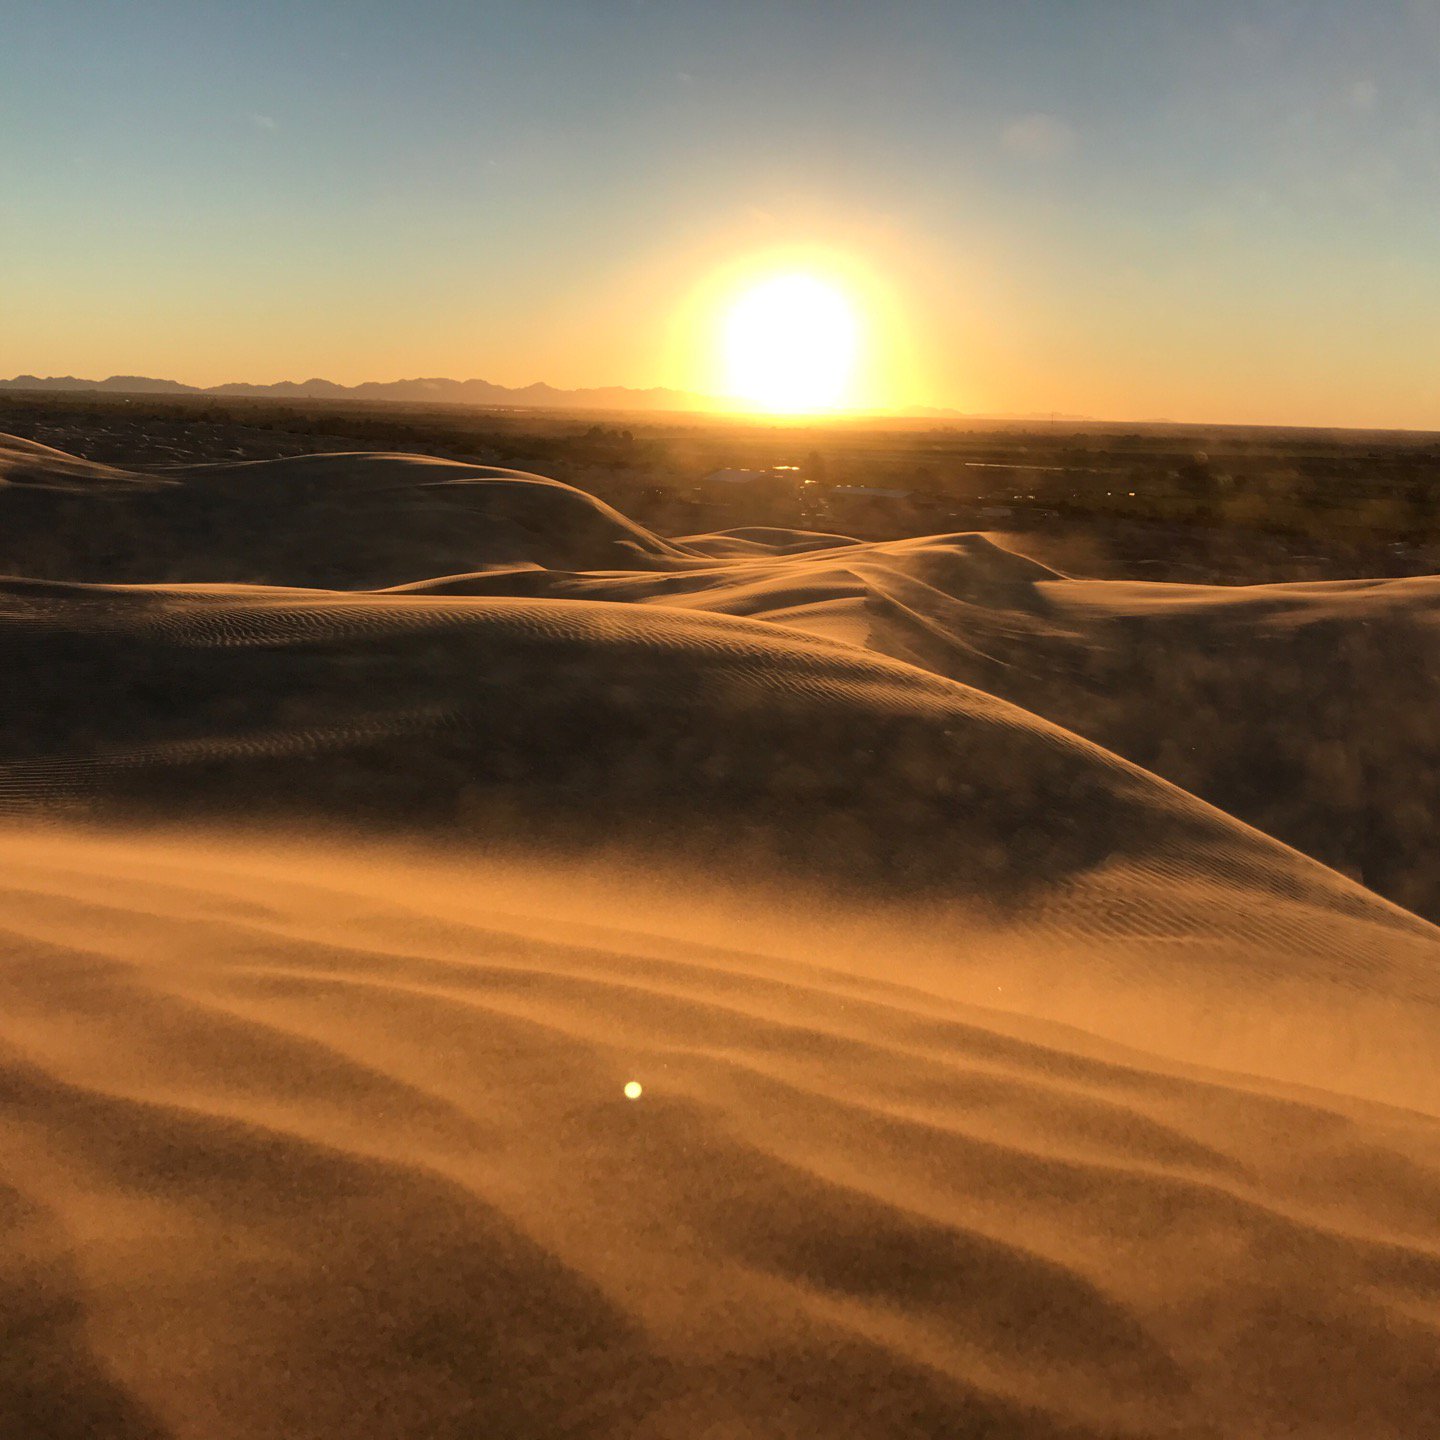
1223	215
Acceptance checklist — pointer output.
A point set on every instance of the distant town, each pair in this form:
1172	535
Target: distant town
1158	501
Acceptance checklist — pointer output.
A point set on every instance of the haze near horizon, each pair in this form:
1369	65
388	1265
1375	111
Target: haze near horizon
1114	210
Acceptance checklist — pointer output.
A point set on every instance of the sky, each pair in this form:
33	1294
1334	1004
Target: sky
1129	209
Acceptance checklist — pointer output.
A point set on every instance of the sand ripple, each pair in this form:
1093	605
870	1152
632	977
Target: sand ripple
992	1084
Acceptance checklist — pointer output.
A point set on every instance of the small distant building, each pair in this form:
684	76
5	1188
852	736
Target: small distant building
874	510
735	477
752	497
868	492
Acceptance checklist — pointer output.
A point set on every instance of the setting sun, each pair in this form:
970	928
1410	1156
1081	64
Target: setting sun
790	344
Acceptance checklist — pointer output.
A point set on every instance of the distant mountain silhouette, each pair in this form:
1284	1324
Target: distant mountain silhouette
123	384
439	390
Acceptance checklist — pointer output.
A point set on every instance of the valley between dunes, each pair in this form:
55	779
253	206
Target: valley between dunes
1030	980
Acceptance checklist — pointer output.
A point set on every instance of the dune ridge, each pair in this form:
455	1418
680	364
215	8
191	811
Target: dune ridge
993	1083
1301	709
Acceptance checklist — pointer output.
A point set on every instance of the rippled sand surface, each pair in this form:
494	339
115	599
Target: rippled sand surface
989	1083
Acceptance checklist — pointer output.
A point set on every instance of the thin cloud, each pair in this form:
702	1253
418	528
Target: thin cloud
1038	136
264	122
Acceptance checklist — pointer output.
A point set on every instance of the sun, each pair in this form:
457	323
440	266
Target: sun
790	344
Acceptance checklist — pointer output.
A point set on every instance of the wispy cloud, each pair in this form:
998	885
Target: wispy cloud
264	122
1038	136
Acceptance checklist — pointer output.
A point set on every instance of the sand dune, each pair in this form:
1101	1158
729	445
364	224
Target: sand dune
291	1159
992	1083
349	521
1300	709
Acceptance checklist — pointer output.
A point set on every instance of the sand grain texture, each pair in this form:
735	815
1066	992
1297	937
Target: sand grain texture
993	1084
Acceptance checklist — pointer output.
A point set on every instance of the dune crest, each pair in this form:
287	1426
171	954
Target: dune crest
356	859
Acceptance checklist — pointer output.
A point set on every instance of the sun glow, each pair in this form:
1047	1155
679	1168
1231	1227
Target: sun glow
790	344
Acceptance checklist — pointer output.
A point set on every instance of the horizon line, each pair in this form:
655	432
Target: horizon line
713	407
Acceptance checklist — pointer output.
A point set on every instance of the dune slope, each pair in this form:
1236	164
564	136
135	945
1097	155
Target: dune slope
991	1084
288	1156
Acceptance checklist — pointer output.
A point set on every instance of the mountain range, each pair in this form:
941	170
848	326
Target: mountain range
439	390
442	391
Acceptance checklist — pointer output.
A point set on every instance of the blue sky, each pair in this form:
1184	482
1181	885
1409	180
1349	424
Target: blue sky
1205	211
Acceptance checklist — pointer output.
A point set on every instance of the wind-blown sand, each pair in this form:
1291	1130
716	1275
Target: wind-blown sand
992	1084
